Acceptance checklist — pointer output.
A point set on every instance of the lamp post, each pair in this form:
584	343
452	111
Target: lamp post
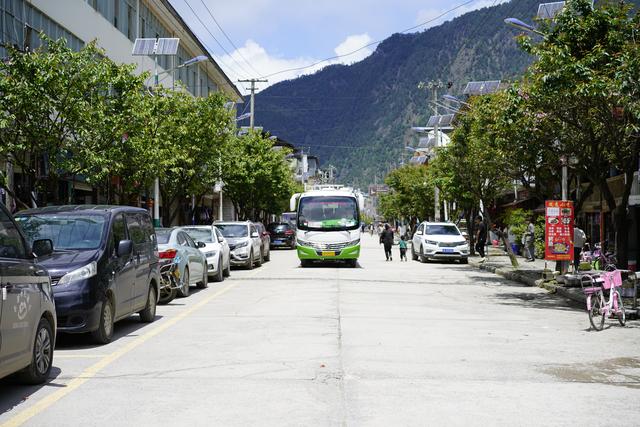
156	79
516	23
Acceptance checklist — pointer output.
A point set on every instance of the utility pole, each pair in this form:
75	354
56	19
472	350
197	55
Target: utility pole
434	85
253	91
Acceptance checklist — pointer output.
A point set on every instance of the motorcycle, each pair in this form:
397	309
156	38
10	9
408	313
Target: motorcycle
169	280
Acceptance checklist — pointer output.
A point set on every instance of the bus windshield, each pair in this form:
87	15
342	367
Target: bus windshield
328	213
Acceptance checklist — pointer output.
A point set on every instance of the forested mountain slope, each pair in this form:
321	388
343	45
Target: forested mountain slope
358	117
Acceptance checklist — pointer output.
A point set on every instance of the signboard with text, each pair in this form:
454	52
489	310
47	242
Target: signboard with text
558	216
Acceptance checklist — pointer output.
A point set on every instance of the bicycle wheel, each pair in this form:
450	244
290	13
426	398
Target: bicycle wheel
622	318
596	317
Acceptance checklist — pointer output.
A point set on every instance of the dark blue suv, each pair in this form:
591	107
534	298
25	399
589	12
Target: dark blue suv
104	265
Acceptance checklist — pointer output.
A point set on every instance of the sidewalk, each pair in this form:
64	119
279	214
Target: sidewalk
530	273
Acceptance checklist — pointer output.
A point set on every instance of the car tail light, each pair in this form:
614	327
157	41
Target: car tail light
288	232
168	254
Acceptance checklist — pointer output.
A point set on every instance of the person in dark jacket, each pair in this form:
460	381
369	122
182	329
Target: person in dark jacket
386	238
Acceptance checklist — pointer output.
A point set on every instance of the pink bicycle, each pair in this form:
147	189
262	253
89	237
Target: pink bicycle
598	306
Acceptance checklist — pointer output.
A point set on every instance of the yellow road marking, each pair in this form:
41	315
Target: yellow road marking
80	356
91	371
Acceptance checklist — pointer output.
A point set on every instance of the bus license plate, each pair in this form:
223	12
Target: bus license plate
328	253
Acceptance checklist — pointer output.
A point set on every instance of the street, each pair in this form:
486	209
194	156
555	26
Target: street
388	343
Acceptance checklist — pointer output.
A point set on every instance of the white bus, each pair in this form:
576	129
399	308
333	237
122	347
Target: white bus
328	224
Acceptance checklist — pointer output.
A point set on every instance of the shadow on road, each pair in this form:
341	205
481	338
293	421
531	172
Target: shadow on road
13	393
538	300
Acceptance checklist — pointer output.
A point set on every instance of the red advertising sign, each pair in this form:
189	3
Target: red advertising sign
558	244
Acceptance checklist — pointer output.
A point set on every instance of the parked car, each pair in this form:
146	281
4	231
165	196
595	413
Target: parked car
439	240
244	241
265	237
27	308
175	244
216	250
104	265
283	234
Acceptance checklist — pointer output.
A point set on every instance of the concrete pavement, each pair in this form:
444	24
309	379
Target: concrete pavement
387	343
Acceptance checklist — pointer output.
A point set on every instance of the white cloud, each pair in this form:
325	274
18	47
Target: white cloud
253	60
354	43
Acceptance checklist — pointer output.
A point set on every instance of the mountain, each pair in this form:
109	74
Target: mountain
358	117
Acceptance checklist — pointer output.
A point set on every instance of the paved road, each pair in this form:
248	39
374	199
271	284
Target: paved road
383	344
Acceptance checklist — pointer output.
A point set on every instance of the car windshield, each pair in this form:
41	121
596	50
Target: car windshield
443	230
77	231
328	213
233	230
204	235
163	235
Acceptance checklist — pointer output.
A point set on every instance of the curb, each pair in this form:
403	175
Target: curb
551	287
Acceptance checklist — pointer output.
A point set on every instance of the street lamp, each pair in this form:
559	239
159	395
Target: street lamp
516	23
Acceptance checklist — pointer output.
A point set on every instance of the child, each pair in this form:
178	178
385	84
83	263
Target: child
403	248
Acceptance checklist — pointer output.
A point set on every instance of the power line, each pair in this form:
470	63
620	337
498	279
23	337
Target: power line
369	44
217	42
228	38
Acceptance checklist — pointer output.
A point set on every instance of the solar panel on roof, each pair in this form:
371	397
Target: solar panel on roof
167	46
481	88
549	10
144	47
433	120
423	142
446	120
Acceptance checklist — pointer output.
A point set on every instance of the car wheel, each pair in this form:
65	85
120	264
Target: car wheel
148	314
184	291
422	256
251	261
353	263
464	260
42	357
167	295
260	259
267	257
227	271
414	256
219	277
305	262
104	333
204	283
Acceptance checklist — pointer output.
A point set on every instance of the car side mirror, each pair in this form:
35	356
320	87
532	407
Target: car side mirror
255	234
42	247
419	233
201	245
221	239
125	247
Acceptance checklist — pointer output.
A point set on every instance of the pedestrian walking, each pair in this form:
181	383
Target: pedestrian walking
529	241
403	248
579	239
386	238
481	235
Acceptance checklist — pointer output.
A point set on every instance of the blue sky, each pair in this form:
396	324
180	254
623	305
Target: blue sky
274	35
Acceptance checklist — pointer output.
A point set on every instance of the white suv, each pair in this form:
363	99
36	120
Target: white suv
439	240
244	242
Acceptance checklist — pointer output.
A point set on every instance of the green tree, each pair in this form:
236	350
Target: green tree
256	177
584	79
411	194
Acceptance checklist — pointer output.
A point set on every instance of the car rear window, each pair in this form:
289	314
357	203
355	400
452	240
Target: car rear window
279	228
163	236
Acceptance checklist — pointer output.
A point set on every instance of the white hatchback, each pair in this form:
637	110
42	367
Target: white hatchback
439	240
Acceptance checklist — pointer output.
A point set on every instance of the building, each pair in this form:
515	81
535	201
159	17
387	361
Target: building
115	25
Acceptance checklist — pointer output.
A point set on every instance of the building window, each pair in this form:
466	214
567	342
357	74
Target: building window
116	12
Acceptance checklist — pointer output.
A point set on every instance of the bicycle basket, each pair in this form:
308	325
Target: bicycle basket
611	279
